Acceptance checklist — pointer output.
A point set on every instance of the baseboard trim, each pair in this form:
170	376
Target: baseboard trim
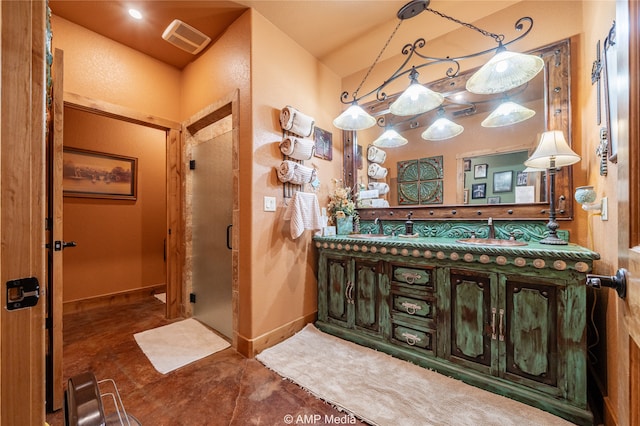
112	299
251	347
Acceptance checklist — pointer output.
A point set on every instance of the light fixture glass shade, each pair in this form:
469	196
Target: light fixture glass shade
533	170
442	129
416	99
506	114
552	146
503	72
390	139
354	118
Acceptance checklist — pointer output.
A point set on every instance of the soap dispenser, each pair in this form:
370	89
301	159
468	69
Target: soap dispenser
408	225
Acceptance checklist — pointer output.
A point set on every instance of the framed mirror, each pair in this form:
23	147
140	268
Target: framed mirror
490	159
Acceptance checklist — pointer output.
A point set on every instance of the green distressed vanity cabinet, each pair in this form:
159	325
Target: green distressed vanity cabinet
511	320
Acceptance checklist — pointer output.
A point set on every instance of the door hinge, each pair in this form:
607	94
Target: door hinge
48	224
192	298
192	164
22	293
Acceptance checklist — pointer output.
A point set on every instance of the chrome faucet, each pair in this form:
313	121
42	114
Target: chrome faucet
492	229
378	222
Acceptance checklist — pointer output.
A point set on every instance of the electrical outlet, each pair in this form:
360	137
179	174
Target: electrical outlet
604	213
269	204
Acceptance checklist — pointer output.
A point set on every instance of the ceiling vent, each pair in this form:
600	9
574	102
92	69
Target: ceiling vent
185	37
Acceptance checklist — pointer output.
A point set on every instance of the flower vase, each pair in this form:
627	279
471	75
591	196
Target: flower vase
344	225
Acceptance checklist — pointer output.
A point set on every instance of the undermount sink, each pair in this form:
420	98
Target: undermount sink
369	236
491	242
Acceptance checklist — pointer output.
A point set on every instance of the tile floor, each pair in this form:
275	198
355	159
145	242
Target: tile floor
222	389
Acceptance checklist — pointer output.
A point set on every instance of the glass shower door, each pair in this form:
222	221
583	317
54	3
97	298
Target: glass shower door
212	205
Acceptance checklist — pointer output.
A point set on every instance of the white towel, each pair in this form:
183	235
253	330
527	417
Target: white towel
295	173
304	213
296	122
383	188
376	155
377	172
373	202
297	148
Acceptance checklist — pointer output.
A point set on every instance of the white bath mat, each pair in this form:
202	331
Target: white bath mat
178	344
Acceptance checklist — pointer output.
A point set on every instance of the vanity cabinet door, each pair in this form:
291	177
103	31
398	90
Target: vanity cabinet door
531	342
365	295
334	286
474	313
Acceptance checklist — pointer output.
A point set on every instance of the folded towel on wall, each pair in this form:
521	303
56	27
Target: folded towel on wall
295	173
382	187
297	148
373	202
304	213
296	122
376	171
376	155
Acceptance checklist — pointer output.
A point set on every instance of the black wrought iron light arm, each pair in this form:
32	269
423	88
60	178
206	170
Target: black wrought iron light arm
524	24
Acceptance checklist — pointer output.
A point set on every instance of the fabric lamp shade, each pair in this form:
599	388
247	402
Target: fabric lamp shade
506	114
553	151
354	118
416	99
442	129
390	139
503	72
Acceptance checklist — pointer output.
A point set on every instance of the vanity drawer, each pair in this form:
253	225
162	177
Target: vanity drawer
412	276
410	307
413	337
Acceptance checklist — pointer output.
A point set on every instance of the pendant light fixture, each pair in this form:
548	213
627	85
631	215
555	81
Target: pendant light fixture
416	99
506	114
503	72
390	139
442	129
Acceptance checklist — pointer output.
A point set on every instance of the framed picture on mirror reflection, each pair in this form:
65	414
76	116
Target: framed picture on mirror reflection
493	200
467	164
502	181
480	171
478	190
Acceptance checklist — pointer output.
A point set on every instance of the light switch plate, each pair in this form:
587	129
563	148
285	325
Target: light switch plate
604	213
269	204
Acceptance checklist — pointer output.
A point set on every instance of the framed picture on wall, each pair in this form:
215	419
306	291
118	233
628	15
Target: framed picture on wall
493	200
93	174
503	181
480	171
467	164
478	190
522	179
323	144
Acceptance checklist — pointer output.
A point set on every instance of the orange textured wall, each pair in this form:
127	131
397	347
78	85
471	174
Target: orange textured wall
120	242
99	68
284	282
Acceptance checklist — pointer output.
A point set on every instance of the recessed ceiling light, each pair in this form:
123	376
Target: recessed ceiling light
135	13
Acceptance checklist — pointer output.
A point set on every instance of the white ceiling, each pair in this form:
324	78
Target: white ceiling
334	31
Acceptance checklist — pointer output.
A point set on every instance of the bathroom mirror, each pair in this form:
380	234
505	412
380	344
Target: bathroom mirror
489	160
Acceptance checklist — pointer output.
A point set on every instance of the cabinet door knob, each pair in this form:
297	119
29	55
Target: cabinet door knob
501	325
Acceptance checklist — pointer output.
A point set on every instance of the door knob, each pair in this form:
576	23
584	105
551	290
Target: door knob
59	245
617	282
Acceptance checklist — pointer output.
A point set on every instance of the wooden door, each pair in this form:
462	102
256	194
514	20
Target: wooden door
55	386
337	285
628	95
22	176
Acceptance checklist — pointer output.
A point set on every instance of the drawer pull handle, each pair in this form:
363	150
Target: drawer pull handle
411	339
411	308
348	292
493	324
411	277
501	325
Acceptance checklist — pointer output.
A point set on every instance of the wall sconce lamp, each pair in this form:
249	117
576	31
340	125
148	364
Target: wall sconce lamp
586	196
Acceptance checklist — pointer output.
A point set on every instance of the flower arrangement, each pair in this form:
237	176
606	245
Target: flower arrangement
341	203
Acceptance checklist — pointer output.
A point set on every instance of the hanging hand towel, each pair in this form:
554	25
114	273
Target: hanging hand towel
304	213
297	148
376	155
377	172
295	173
382	187
296	122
